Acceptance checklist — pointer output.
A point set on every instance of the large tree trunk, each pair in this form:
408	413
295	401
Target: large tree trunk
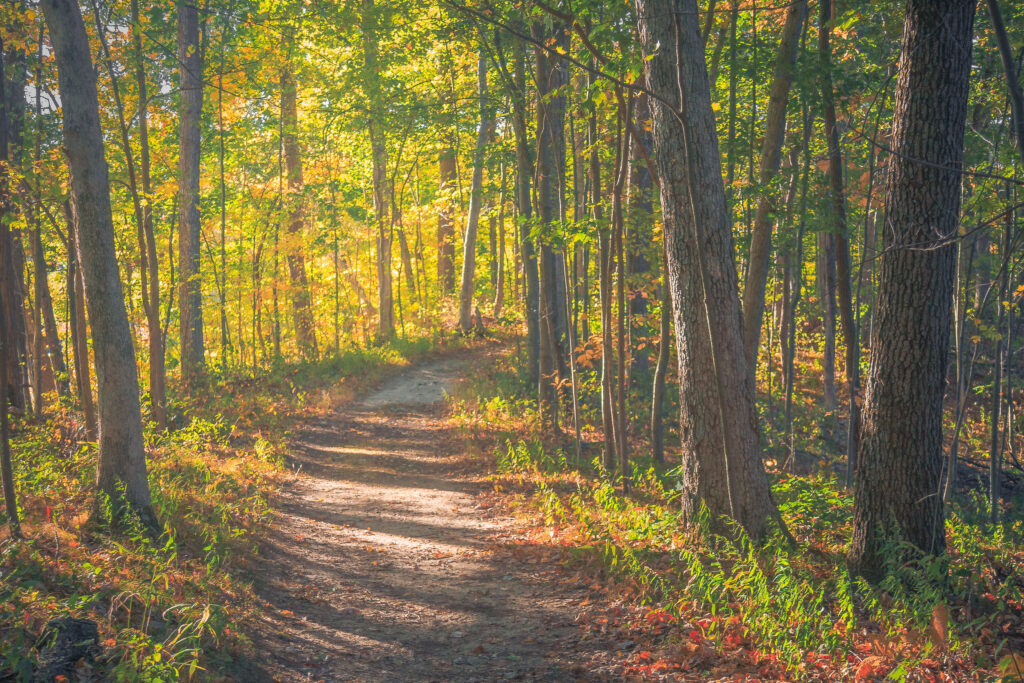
900	461
302	312
771	157
721	460
467	285
190	292
121	467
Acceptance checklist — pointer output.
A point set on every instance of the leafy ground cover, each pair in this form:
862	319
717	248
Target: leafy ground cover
702	605
179	605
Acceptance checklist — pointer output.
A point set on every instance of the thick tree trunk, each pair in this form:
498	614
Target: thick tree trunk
900	461
190	293
121	467
771	157
721	460
302	312
467	285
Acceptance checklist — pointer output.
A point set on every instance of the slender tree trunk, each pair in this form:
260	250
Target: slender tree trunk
121	467
640	228
1010	70
897	490
6	471
467	286
446	222
771	157
11	291
157	372
841	233
721	456
661	370
499	289
190	293
378	151
302	310
76	320
604	285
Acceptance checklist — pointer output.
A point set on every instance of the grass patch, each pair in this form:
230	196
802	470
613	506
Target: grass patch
178	606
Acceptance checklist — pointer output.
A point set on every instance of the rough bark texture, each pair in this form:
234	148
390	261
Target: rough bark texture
190	294
121	467
722	467
771	157
302	313
897	486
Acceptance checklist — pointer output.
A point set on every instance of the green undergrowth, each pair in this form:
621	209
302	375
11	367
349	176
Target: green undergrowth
797	608
177	606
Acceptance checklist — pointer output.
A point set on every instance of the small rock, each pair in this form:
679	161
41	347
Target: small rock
456	634
627	645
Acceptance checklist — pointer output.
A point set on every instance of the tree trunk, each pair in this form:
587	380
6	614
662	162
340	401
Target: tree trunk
190	293
6	471
467	285
121	467
302	313
499	289
771	157
446	222
900	461
378	152
640	232
661	370
157	372
11	291
721	458
77	323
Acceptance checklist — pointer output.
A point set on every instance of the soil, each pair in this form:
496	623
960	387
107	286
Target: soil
386	563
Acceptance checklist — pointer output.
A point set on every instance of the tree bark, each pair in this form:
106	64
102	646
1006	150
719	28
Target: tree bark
157	372
721	459
897	485
76	320
378	152
467	285
190	294
121	467
446	222
302	313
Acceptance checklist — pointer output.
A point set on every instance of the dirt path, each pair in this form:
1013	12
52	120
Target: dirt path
385	566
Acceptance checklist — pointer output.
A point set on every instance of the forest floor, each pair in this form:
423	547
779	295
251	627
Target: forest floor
386	562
